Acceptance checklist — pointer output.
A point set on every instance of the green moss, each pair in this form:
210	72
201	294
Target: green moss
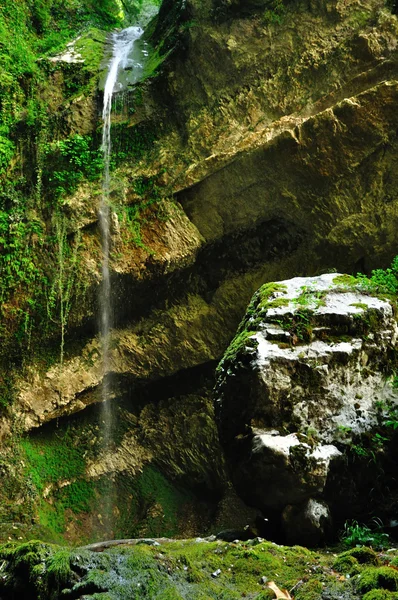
276	303
155	59
242	342
175	570
360	305
266	595
345	280
52	518
50	459
55	465
347	565
378	577
363	554
90	46
268	289
150	505
58	569
380	595
311	590
56	512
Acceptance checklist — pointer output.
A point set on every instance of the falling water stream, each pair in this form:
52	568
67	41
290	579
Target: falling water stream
127	55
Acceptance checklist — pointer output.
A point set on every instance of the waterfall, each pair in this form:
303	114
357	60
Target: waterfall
125	56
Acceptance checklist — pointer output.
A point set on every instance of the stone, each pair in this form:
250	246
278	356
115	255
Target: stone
216	573
288	469
308	524
305	374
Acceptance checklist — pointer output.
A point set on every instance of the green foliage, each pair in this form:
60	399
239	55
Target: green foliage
7	149
391	420
31	27
131	142
16	261
356	534
65	282
274	12
139	9
21	241
68	162
386	279
39	274
131	216
381	281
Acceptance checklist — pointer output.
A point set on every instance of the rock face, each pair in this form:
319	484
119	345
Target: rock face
282	162
306	373
264	148
307	524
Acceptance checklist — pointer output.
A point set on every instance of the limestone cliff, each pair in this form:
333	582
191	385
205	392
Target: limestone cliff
261	145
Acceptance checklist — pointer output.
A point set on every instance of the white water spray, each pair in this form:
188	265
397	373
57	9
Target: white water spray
122	58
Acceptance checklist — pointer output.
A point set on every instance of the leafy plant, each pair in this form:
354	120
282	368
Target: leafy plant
274	12
392	414
381	280
358	534
75	159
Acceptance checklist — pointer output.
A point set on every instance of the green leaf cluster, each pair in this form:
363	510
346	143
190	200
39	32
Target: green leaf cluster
68	162
359	534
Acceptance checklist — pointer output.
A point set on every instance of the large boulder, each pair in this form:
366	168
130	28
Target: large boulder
306	373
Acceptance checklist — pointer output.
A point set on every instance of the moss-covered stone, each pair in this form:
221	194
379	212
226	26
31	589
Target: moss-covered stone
310	590
363	554
380	595
378	577
346	564
244	342
173	569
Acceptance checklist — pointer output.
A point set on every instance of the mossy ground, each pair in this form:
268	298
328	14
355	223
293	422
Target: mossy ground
187	569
